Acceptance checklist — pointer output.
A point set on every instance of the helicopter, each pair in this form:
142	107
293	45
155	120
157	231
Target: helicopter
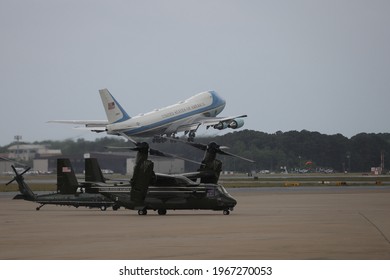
67	190
161	192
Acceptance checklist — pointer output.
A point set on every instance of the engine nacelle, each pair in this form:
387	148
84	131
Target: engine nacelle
221	125
236	123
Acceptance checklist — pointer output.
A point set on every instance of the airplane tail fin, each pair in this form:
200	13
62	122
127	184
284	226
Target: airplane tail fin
93	173
66	178
114	111
26	192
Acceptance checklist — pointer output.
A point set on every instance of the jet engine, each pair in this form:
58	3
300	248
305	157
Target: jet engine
221	125
236	123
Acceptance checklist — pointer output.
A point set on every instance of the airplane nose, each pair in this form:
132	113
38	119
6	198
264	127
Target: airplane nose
230	202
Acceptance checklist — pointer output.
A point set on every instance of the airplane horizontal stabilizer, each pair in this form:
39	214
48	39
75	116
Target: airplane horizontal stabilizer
87	123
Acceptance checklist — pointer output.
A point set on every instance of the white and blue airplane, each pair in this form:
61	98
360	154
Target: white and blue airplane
185	116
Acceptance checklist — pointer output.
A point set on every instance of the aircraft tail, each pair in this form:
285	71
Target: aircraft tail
66	178
93	173
26	192
114	111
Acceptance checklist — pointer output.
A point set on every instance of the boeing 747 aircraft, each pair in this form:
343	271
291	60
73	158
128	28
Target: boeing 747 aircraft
185	116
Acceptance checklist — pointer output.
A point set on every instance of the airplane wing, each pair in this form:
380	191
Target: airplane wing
210	121
216	122
188	127
92	125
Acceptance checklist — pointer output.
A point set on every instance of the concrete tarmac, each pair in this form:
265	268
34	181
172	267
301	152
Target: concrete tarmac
275	223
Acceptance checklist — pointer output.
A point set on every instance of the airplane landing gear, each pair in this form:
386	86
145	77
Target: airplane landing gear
159	139
191	136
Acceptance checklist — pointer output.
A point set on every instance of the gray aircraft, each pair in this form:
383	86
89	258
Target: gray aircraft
67	190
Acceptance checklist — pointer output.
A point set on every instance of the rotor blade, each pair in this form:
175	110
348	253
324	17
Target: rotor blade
14	161
224	147
158	153
135	149
11	181
16	174
154	152
117	148
25	171
200	146
216	148
140	146
236	156
129	138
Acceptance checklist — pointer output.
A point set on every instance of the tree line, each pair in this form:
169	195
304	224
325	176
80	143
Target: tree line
293	150
311	150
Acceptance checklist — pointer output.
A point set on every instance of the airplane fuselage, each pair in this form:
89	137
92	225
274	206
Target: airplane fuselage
172	119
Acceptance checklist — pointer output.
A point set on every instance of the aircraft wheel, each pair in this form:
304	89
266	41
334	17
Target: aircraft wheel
142	212
162	211
103	208
226	212
191	136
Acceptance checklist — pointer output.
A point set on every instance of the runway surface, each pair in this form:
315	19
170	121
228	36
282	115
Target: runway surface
268	223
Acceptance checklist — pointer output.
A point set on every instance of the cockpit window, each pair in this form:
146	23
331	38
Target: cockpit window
222	189
211	192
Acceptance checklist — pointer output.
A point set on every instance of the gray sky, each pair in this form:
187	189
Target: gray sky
290	65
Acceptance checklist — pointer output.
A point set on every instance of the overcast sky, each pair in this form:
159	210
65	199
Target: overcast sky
290	65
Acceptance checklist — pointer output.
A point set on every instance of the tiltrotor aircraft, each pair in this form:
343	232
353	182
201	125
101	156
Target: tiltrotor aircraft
160	192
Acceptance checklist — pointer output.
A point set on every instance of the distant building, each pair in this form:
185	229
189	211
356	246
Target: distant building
122	163
5	165
28	152
376	170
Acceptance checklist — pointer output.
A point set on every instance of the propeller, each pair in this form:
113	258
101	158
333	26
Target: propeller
14	161
212	148
17	175
143	147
